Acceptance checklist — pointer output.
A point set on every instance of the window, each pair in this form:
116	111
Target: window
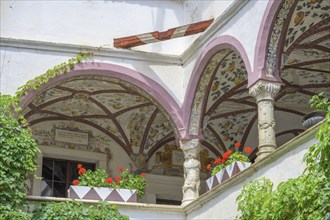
58	175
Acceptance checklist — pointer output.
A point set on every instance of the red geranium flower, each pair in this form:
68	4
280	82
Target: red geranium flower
75	182
237	144
223	160
208	166
225	155
81	171
108	180
142	174
117	179
120	169
248	149
79	165
217	161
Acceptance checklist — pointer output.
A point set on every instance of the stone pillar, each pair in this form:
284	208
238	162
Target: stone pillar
191	166
264	93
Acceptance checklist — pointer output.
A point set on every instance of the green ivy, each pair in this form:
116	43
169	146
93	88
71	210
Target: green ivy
18	153
62	68
75	210
321	150
305	197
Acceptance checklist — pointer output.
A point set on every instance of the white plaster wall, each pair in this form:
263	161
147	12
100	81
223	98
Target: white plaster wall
18	65
152	213
289	165
85	22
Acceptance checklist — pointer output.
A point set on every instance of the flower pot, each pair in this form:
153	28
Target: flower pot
312	119
226	173
102	193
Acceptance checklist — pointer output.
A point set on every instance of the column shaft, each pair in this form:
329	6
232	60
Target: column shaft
191	166
264	93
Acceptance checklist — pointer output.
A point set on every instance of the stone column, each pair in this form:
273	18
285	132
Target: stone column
191	166
264	93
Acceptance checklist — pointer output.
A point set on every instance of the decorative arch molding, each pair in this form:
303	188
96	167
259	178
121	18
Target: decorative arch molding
218	44
260	57
159	96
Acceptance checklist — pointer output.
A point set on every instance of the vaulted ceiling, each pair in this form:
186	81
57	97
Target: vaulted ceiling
119	110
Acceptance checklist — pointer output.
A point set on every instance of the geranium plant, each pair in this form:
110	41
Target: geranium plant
100	178
228	158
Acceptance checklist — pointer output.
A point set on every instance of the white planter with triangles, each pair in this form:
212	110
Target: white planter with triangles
226	173
102	193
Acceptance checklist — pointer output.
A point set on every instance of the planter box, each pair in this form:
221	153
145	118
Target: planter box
226	173
102	193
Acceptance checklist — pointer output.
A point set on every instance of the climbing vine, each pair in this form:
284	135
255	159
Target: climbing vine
34	84
18	150
304	197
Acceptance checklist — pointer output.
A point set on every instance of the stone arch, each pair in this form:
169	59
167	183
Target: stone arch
293	48
219	78
263	42
126	82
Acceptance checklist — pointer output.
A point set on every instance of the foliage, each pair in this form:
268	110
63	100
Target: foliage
62	68
295	199
228	158
18	150
253	195
99	178
321	150
75	210
18	154
305	197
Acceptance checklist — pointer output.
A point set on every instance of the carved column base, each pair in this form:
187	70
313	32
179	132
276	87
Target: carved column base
264	151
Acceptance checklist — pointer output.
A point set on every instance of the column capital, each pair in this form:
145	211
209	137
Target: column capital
191	148
262	90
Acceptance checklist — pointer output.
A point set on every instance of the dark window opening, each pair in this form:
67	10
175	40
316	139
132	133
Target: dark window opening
57	175
168	202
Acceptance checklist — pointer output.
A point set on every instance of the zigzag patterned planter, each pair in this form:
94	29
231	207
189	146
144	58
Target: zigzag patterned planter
102	193
226	173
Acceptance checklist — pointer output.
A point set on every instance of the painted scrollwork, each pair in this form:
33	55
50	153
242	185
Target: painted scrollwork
275	36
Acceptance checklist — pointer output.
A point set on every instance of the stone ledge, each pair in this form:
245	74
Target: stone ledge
139	206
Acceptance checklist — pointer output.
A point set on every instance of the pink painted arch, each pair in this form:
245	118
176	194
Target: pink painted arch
265	30
154	89
219	43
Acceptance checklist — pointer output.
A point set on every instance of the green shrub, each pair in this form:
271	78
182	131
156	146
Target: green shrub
77	211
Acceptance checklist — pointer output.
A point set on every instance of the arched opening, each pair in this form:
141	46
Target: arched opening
102	117
298	52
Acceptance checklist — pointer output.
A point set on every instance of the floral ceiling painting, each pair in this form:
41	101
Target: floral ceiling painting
112	112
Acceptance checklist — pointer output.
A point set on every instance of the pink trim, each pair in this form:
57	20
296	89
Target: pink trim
263	42
219	43
126	74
